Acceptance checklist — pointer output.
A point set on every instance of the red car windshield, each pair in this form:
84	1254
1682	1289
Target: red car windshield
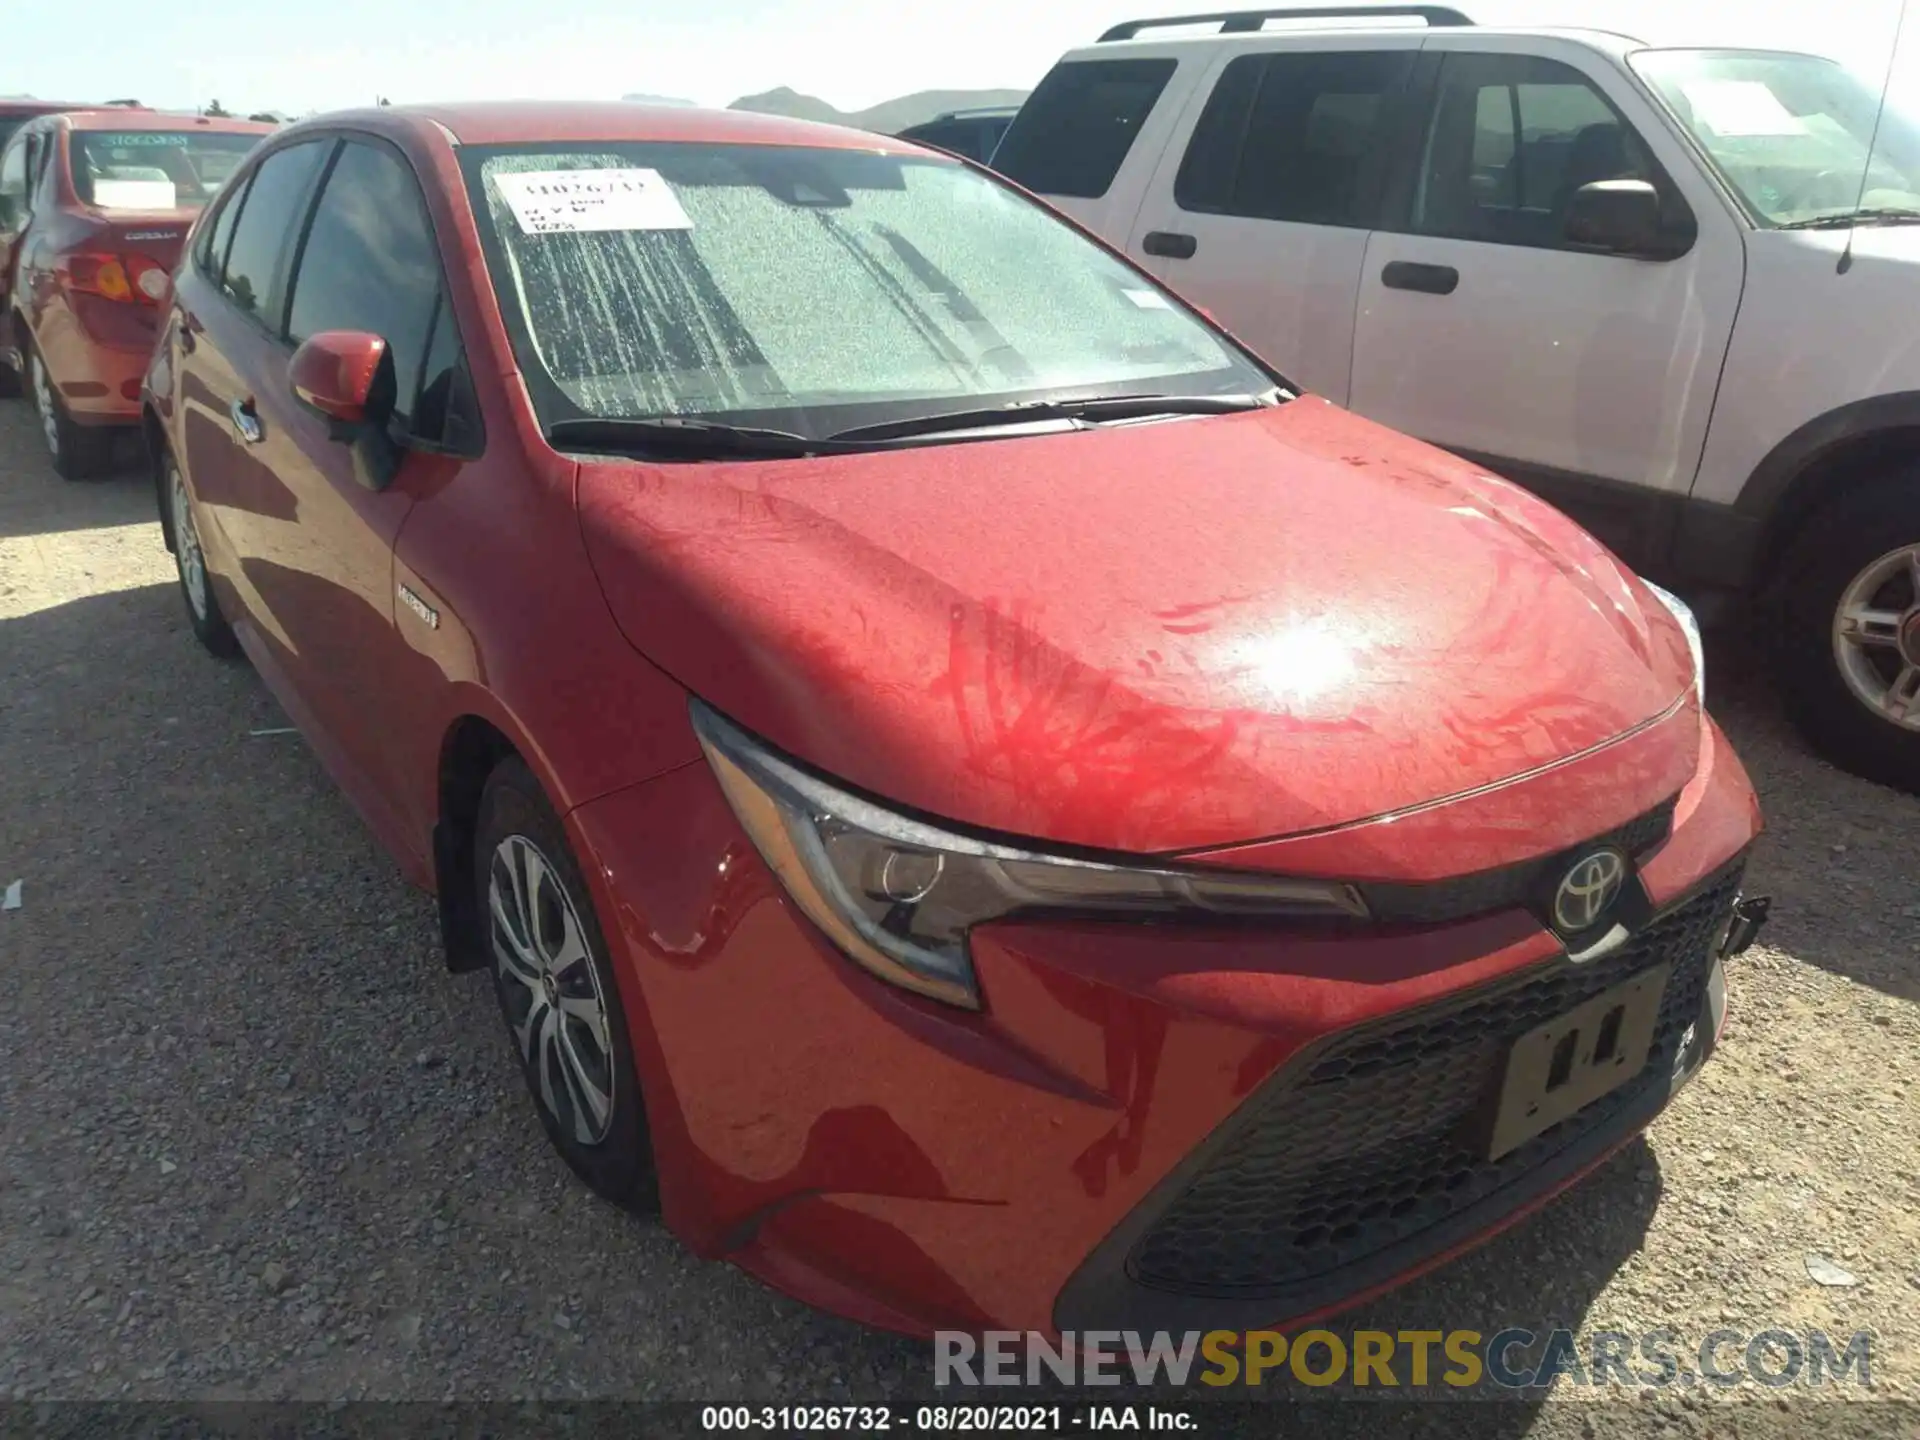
812	288
153	169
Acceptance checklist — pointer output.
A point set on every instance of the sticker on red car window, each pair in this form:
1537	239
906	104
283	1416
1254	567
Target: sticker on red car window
1147	299
550	202
135	138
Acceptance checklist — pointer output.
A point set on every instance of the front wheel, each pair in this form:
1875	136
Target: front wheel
557	992
1850	651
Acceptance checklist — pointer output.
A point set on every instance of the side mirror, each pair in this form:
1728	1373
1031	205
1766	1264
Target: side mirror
1624	217
337	374
346	376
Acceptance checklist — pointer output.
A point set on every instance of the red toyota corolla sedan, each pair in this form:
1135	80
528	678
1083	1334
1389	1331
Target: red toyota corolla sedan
994	808
94	206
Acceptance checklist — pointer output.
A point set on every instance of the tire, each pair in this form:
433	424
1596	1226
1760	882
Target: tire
77	452
550	948
1861	556
209	625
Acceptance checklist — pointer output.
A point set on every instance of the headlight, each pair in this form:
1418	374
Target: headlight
1684	615
899	895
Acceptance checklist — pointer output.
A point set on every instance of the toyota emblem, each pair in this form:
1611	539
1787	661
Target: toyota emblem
1590	887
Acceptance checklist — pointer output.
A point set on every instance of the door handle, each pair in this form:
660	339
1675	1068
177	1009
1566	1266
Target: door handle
1169	244
189	327
246	421
1427	279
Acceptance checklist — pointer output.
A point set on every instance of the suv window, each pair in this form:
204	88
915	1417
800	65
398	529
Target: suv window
1077	127
1293	137
1513	137
369	262
269	213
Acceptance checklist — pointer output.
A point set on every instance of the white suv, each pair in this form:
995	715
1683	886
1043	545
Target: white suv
1624	277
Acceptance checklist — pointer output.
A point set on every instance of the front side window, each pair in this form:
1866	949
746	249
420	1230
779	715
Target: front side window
273	206
369	262
1078	125
1292	137
1513	139
1790	133
153	169
816	287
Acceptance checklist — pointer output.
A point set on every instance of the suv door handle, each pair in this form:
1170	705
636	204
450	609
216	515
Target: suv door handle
1169	244
1427	279
246	421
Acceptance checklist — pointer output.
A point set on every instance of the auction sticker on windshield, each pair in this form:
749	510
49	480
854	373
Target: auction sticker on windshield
550	202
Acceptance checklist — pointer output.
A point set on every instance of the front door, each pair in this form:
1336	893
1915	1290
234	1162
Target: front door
1588	377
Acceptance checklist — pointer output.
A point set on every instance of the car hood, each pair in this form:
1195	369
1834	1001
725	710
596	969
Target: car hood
1148	638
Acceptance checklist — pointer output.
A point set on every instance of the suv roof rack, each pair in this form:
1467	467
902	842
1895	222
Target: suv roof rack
970	110
1240	22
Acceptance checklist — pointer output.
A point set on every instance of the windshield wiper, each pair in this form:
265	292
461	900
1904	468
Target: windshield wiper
687	436
1087	408
1885	215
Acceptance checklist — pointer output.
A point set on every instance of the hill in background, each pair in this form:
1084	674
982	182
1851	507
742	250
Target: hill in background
888	117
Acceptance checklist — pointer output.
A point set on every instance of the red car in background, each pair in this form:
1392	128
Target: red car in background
15	113
992	807
94	207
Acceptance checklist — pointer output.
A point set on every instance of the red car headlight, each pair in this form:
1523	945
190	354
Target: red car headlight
899	894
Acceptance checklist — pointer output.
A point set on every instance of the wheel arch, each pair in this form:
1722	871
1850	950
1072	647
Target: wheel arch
153	434
1828	458
470	750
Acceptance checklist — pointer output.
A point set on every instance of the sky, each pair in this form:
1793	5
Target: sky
271	55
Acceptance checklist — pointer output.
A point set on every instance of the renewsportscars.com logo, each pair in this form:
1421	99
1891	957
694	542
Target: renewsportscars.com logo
1512	1359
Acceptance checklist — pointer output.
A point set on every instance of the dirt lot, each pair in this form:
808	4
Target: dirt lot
256	1143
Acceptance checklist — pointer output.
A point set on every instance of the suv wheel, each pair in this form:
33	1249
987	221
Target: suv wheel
557	991
77	452
1850	652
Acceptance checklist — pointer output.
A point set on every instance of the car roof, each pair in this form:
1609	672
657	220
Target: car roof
506	122
122	120
15	108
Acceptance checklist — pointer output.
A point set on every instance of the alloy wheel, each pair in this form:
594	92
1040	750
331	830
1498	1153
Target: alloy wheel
186	547
551	993
43	402
1876	636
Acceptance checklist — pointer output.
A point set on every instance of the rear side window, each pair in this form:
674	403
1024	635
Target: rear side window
369	262
1293	137
1077	127
210	250
270	211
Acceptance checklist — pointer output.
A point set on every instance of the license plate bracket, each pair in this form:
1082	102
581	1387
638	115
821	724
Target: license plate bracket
1563	1066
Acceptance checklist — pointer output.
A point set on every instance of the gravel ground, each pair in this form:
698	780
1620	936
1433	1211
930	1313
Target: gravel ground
255	1143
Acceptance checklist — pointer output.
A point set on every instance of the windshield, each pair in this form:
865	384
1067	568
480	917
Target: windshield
812	289
1789	132
153	169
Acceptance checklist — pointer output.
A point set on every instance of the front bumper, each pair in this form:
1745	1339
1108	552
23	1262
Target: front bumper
1108	1145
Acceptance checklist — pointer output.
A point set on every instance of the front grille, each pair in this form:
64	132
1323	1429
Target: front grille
1513	886
1364	1144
